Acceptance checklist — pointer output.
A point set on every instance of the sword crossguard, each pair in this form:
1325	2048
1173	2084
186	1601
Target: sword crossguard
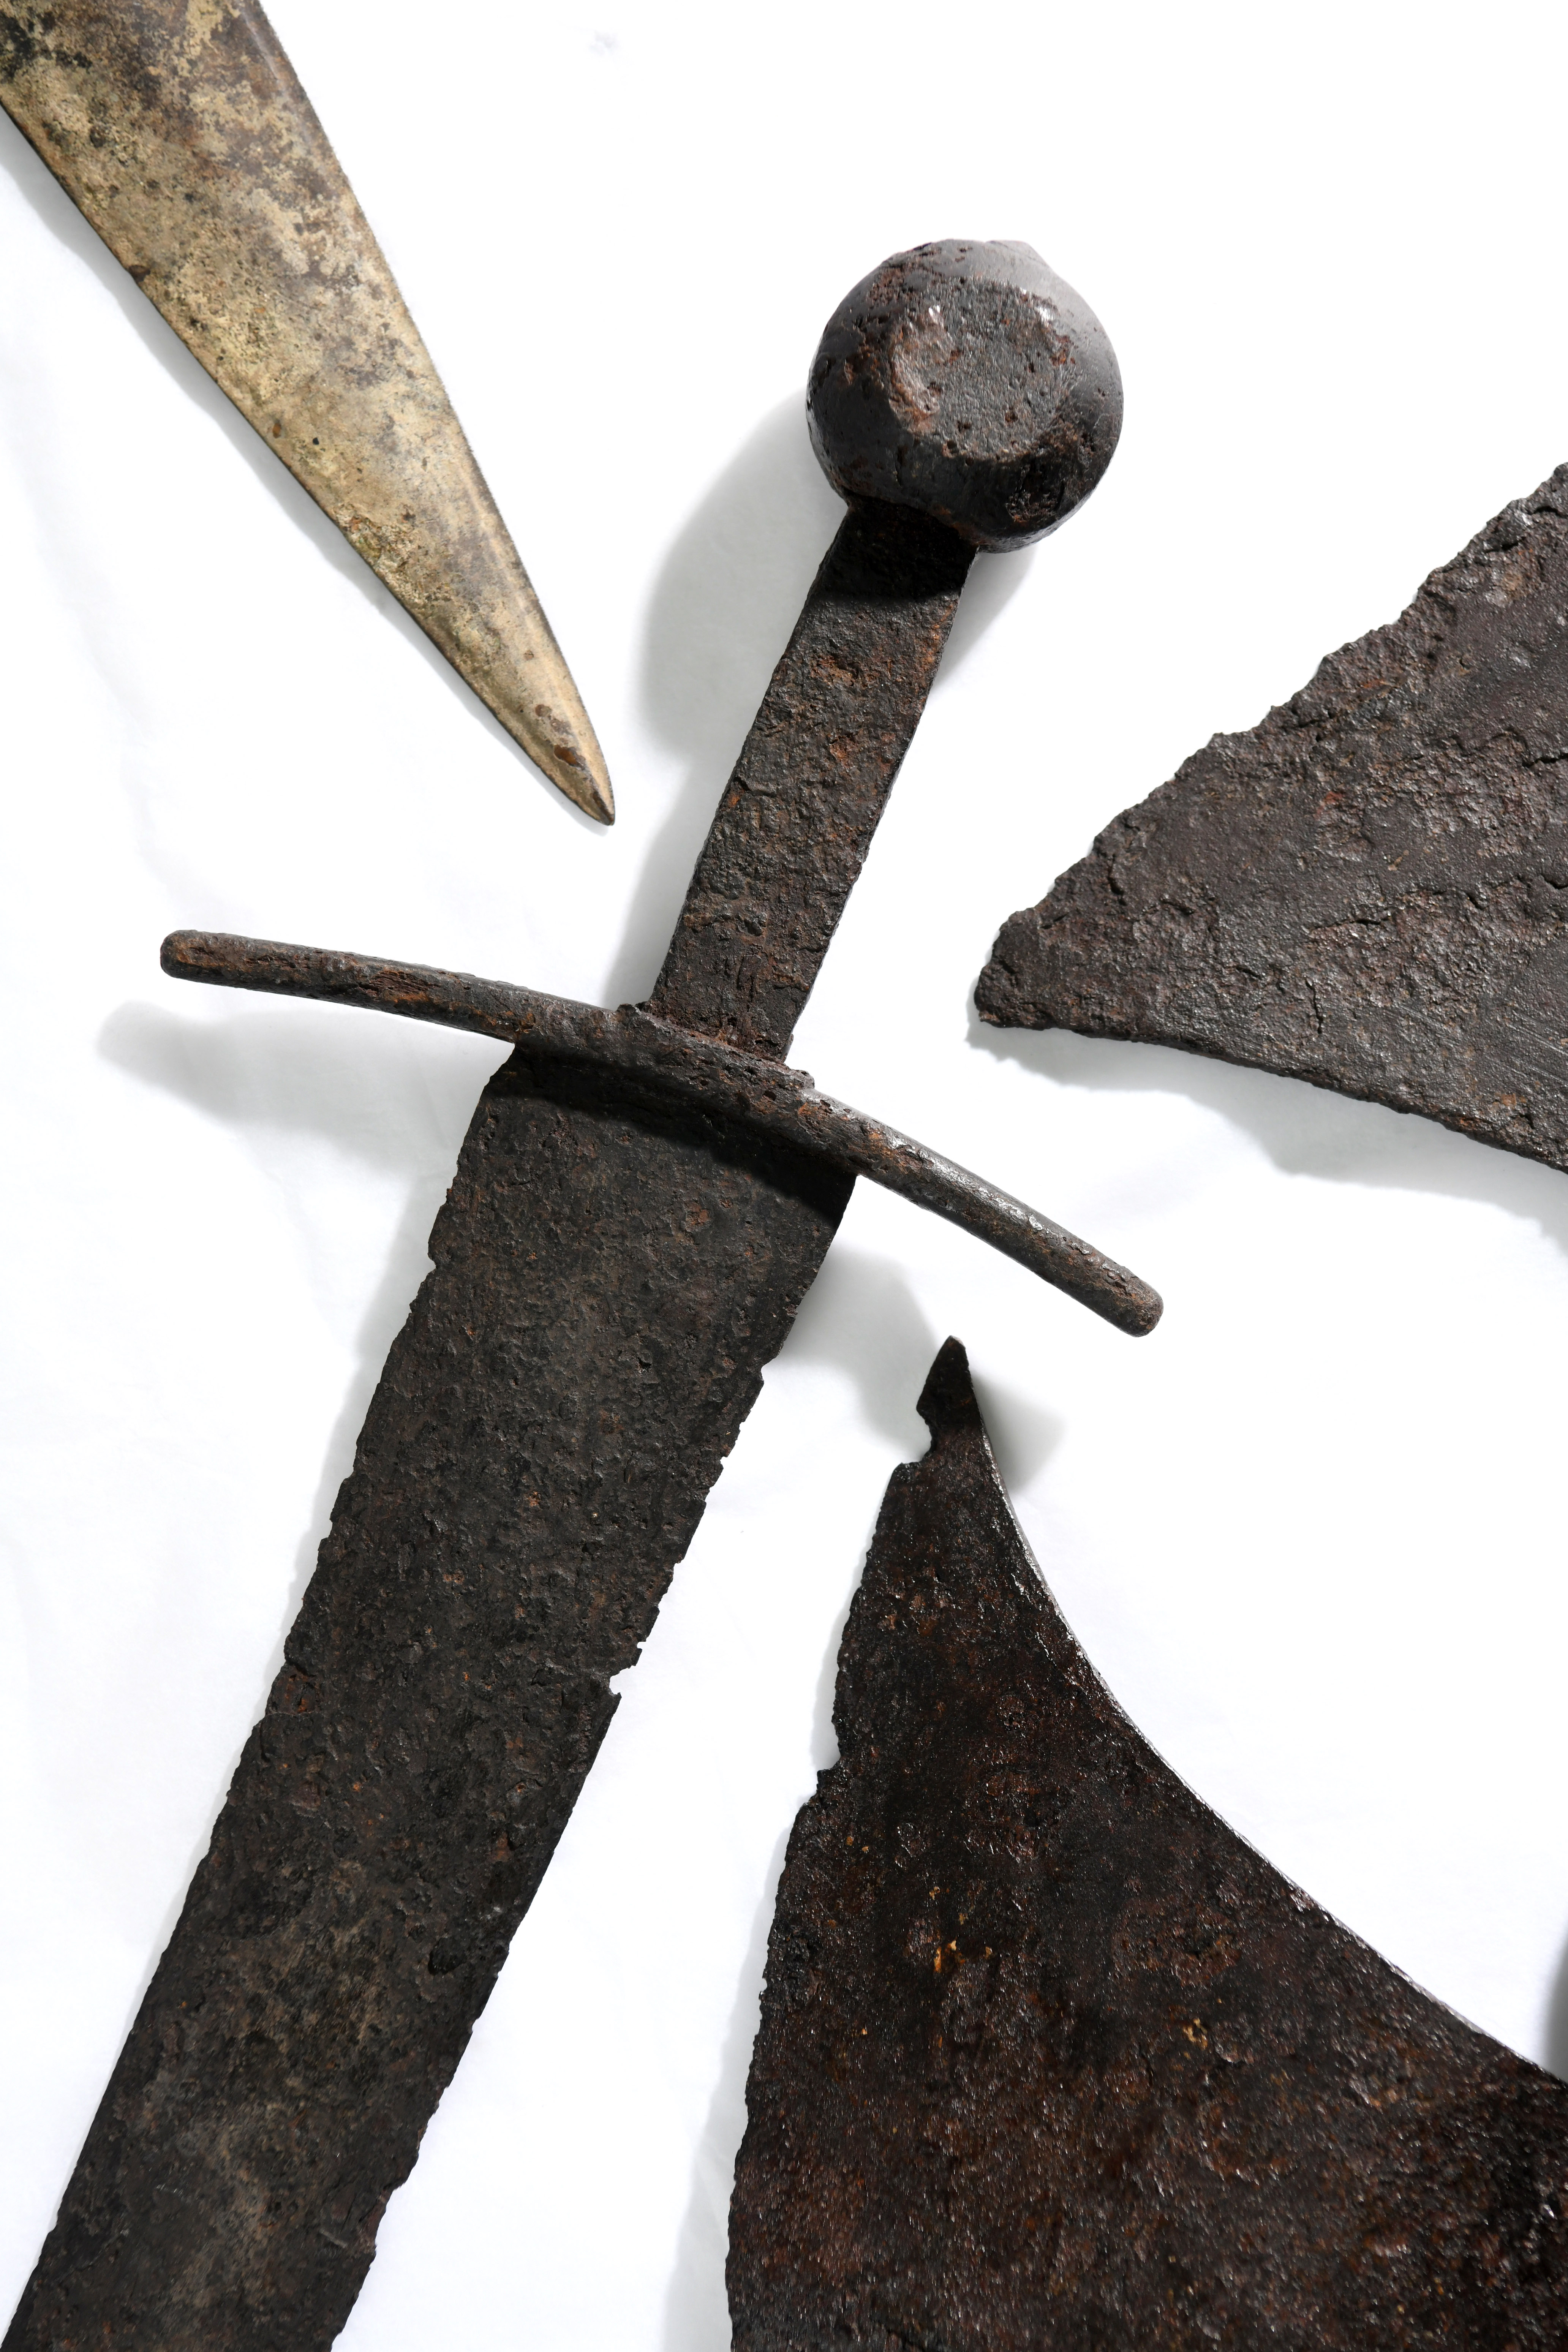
634	1055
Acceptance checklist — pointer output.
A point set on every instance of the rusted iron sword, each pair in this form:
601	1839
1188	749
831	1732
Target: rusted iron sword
1049	2056
183	135
640	1205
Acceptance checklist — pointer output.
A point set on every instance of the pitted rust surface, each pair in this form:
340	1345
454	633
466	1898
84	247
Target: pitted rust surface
1049	2058
607	1289
180	129
970	382
793	826
643	1060
611	1276
1370	888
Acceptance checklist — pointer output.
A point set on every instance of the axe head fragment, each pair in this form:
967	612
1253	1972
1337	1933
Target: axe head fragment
1369	889
1049	2057
184	137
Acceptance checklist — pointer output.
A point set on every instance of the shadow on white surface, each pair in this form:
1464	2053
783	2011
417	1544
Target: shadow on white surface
37	186
1556	2057
721	608
696	2311
347	1086
861	1319
344	1083
1305	1130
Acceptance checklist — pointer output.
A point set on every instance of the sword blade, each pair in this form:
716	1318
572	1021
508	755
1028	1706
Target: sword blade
184	137
607	1288
608	1284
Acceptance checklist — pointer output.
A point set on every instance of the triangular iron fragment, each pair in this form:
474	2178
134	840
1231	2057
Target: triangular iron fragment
183	135
1049	2057
1370	888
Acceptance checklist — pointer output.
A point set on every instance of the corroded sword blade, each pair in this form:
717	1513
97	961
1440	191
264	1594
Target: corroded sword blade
183	135
1049	2057
611	1275
1370	888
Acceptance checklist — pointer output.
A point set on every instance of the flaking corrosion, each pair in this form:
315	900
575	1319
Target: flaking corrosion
180	129
1370	888
1049	2058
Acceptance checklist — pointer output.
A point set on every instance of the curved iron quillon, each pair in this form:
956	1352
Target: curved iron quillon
631	1056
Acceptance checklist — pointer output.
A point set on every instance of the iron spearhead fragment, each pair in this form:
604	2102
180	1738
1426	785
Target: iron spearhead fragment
184	137
1049	2057
1369	889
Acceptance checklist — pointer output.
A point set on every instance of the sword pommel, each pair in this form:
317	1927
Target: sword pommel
970	382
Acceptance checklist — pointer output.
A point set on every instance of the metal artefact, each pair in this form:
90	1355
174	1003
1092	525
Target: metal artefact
1050	2057
1370	888
642	1058
632	1225
183	135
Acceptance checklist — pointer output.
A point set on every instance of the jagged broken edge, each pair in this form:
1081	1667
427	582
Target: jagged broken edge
894	2185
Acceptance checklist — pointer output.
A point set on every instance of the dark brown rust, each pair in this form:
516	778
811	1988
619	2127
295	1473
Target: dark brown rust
792	828
974	352
1049	2057
610	1279
1370	888
606	1289
642	1059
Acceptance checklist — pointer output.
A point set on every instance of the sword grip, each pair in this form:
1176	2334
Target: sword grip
797	814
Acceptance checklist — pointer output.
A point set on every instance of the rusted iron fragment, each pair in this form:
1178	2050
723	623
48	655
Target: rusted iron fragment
1050	2057
1370	888
183	135
644	1059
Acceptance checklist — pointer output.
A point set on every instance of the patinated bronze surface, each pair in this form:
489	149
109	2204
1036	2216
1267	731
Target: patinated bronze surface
182	133
1049	2058
1370	888
610	1277
642	1058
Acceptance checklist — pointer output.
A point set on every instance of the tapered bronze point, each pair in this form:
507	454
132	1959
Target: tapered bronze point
186	138
642	1203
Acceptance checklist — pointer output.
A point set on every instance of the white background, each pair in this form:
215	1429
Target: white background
1311	1531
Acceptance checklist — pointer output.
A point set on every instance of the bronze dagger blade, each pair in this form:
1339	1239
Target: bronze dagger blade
184	137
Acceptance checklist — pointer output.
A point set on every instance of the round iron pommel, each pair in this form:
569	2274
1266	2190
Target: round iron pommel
969	380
